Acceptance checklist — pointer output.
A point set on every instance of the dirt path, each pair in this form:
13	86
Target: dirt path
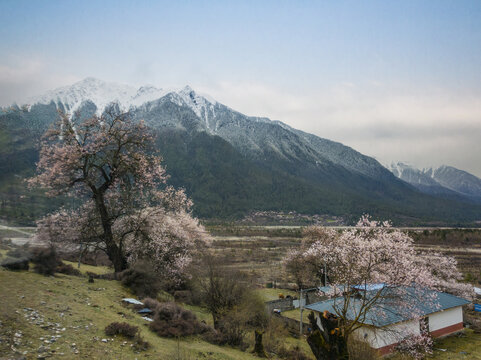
4	227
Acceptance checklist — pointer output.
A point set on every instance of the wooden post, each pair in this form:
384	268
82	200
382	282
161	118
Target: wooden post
300	310
80	255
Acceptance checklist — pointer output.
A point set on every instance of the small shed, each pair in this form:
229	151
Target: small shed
386	323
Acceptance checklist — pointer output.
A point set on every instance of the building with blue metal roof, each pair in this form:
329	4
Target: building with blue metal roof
397	313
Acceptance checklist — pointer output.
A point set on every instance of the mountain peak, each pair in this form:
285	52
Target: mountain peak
103	93
186	89
444	176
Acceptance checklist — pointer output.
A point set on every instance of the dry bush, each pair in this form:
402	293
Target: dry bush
5	244
128	331
45	260
183	296
108	276
94	258
67	269
15	264
360	350
274	335
152	304
294	353
171	320
140	344
21	252
122	329
232	328
234	324
142	280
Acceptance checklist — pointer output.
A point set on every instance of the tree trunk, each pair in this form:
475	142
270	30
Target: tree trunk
327	343
113	251
215	318
115	255
259	347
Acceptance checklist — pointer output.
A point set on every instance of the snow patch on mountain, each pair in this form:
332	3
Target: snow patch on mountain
446	177
255	137
103	93
457	180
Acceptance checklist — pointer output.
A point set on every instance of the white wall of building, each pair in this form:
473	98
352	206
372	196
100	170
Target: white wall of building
392	334
445	318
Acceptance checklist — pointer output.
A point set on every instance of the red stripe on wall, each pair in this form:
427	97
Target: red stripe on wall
386	349
447	330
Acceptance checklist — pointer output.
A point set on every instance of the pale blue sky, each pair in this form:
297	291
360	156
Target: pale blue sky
397	80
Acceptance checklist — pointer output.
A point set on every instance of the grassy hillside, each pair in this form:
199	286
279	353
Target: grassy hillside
74	313
78	313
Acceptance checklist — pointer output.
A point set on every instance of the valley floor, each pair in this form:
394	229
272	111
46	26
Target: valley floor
64	316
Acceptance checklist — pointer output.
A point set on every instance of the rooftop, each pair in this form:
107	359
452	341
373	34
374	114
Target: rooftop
395	305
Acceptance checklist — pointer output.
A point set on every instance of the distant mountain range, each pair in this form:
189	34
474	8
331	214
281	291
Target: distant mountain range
444	181
229	163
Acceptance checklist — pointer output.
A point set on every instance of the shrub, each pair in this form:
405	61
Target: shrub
274	335
122	329
140	344
45	260
170	320
108	276
142	280
152	304
231	331
67	269
94	258
254	310
5	244
128	331
19	252
183	296
294	353
360	350
15	264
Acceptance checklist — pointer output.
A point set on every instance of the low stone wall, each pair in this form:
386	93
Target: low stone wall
293	325
281	304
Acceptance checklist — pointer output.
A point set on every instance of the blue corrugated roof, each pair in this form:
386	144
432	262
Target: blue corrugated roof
389	308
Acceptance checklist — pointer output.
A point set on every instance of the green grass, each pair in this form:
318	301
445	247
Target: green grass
84	310
84	268
464	346
273	294
296	314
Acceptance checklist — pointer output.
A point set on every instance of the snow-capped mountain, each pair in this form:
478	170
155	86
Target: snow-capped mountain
457	180
128	97
255	137
231	164
441	180
412	175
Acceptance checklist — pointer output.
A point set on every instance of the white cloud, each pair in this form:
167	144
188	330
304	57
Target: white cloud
21	78
426	128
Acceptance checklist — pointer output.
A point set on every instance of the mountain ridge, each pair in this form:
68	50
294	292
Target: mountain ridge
232	164
443	180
